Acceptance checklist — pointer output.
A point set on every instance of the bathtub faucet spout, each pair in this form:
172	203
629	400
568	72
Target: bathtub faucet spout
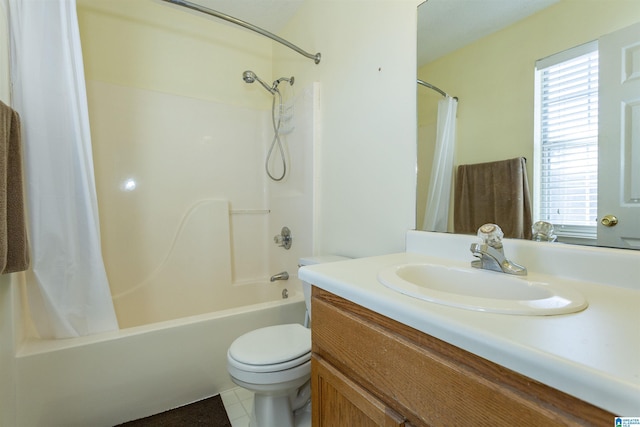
280	276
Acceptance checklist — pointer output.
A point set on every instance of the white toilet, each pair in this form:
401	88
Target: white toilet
275	364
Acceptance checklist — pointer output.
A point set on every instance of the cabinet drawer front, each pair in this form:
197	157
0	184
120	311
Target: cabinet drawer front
429	385
338	401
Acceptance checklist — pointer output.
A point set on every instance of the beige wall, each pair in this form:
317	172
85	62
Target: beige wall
156	46
494	79
366	178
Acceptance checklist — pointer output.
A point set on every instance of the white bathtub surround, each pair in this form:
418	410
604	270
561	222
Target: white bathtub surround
180	152
69	292
193	276
187	212
592	354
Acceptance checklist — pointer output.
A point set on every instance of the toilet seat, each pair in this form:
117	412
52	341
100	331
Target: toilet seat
274	367
271	349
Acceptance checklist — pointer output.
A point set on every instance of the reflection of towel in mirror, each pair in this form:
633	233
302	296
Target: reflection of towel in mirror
494	192
14	249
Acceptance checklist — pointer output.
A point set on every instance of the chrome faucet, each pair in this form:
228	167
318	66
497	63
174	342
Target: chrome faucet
490	252
280	276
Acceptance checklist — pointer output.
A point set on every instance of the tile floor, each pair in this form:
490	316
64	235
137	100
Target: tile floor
238	402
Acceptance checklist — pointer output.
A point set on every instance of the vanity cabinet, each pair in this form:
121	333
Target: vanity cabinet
369	370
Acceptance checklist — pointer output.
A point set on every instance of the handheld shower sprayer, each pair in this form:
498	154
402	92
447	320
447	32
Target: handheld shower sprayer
250	77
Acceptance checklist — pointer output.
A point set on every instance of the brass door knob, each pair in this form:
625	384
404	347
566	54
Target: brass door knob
609	220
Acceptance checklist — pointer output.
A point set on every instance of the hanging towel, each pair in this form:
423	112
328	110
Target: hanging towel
14	248
494	192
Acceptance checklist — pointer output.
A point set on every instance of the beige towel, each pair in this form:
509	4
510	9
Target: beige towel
14	248
494	192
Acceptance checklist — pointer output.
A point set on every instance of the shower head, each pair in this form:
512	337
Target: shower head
250	77
283	79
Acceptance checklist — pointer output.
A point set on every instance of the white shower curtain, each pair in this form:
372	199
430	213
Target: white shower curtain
4	52
436	214
68	290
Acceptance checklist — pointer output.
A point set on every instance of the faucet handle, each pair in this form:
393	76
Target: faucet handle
543	232
491	235
283	239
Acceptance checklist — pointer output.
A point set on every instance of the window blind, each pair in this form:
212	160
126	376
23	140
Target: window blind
568	141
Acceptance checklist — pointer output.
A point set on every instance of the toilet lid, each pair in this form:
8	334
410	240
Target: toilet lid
272	345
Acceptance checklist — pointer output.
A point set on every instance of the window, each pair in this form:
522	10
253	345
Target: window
566	141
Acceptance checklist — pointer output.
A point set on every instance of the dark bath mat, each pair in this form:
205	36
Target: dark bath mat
208	412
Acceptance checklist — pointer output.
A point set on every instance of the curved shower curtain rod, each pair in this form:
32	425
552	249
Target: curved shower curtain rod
437	89
206	10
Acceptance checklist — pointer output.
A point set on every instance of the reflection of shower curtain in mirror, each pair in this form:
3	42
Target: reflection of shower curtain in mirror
436	214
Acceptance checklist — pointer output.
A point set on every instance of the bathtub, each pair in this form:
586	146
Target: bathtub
204	241
110	378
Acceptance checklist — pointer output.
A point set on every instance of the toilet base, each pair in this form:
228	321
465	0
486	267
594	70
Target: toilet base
271	411
302	416
275	406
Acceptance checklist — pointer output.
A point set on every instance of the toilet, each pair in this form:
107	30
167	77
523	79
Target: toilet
275	364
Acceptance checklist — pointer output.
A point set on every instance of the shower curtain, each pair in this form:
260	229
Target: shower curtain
4	52
67	287
436	214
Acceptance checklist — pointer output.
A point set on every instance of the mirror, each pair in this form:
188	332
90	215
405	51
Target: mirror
484	53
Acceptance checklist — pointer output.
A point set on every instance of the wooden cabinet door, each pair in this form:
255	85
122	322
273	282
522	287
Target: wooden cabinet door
362	359
338	401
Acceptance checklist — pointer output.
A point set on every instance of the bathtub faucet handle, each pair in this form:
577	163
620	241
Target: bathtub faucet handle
283	239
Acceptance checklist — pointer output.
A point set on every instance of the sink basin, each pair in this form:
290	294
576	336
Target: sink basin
481	290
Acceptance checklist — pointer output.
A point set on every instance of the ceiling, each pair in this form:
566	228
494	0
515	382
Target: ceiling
446	25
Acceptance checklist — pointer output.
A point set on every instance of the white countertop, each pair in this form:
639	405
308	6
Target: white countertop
593	355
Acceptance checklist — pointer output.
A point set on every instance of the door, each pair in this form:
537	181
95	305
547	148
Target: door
619	139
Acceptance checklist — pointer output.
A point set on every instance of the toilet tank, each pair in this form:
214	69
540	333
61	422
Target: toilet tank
306	287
